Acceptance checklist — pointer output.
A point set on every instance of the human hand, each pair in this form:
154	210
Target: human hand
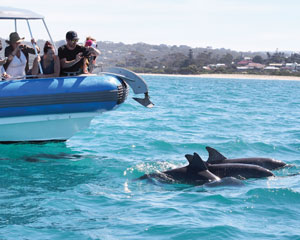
5	75
79	57
33	41
3	61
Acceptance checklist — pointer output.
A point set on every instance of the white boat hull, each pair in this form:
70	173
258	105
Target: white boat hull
56	127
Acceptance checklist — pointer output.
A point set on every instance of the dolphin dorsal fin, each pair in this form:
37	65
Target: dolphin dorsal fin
214	156
189	157
196	162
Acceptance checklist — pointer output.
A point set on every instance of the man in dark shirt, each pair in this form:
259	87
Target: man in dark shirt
71	55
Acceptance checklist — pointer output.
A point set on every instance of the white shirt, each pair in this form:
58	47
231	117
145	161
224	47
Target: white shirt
2	70
16	67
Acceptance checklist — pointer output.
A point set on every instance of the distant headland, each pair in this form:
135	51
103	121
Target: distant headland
184	60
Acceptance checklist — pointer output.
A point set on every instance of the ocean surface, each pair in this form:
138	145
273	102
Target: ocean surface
85	188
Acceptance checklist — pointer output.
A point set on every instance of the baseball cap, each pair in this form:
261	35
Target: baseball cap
71	35
88	43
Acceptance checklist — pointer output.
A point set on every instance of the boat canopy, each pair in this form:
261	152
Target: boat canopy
16	13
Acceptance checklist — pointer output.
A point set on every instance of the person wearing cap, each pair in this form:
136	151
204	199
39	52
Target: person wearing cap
18	55
90	62
72	55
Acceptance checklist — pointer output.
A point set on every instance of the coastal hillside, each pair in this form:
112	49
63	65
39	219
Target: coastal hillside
166	59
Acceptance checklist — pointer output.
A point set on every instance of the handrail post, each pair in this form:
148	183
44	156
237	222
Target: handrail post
36	53
16	25
49	34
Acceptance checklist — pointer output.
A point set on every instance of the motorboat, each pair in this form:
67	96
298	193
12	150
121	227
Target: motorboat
55	109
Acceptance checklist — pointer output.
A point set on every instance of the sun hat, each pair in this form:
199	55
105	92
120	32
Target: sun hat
71	35
14	38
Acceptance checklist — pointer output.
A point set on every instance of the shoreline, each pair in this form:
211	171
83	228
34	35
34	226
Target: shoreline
229	76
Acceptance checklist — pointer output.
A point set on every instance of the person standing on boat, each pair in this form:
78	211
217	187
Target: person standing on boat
49	62
18	55
72	55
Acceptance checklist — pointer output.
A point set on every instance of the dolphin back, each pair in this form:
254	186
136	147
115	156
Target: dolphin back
239	170
216	157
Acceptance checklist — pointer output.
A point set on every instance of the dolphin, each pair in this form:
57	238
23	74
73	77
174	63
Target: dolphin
195	173
216	157
236	170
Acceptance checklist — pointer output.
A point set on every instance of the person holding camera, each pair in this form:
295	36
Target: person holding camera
17	56
72	55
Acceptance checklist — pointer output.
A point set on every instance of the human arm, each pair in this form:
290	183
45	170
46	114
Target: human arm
56	72
31	50
66	64
94	51
10	53
35	66
3	61
33	42
56	66
3	75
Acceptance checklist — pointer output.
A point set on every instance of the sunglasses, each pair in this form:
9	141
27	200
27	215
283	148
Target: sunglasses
74	40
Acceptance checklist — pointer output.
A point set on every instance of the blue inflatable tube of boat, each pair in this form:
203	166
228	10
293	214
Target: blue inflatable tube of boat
61	95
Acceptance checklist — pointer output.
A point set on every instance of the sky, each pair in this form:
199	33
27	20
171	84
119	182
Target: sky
242	25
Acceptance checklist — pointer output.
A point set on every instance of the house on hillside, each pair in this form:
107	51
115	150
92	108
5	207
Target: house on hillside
244	62
277	65
256	65
271	68
218	65
251	66
291	66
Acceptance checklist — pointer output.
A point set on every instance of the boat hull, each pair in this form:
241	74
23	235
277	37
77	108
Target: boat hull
43	127
55	109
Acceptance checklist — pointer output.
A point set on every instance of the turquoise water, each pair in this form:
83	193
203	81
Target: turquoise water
85	188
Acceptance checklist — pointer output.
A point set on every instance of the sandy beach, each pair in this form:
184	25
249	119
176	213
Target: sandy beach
232	76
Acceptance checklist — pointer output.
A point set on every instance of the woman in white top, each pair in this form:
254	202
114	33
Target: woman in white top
17	53
16	67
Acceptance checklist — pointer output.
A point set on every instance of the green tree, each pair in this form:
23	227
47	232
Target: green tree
191	69
191	55
136	59
203	59
227	59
